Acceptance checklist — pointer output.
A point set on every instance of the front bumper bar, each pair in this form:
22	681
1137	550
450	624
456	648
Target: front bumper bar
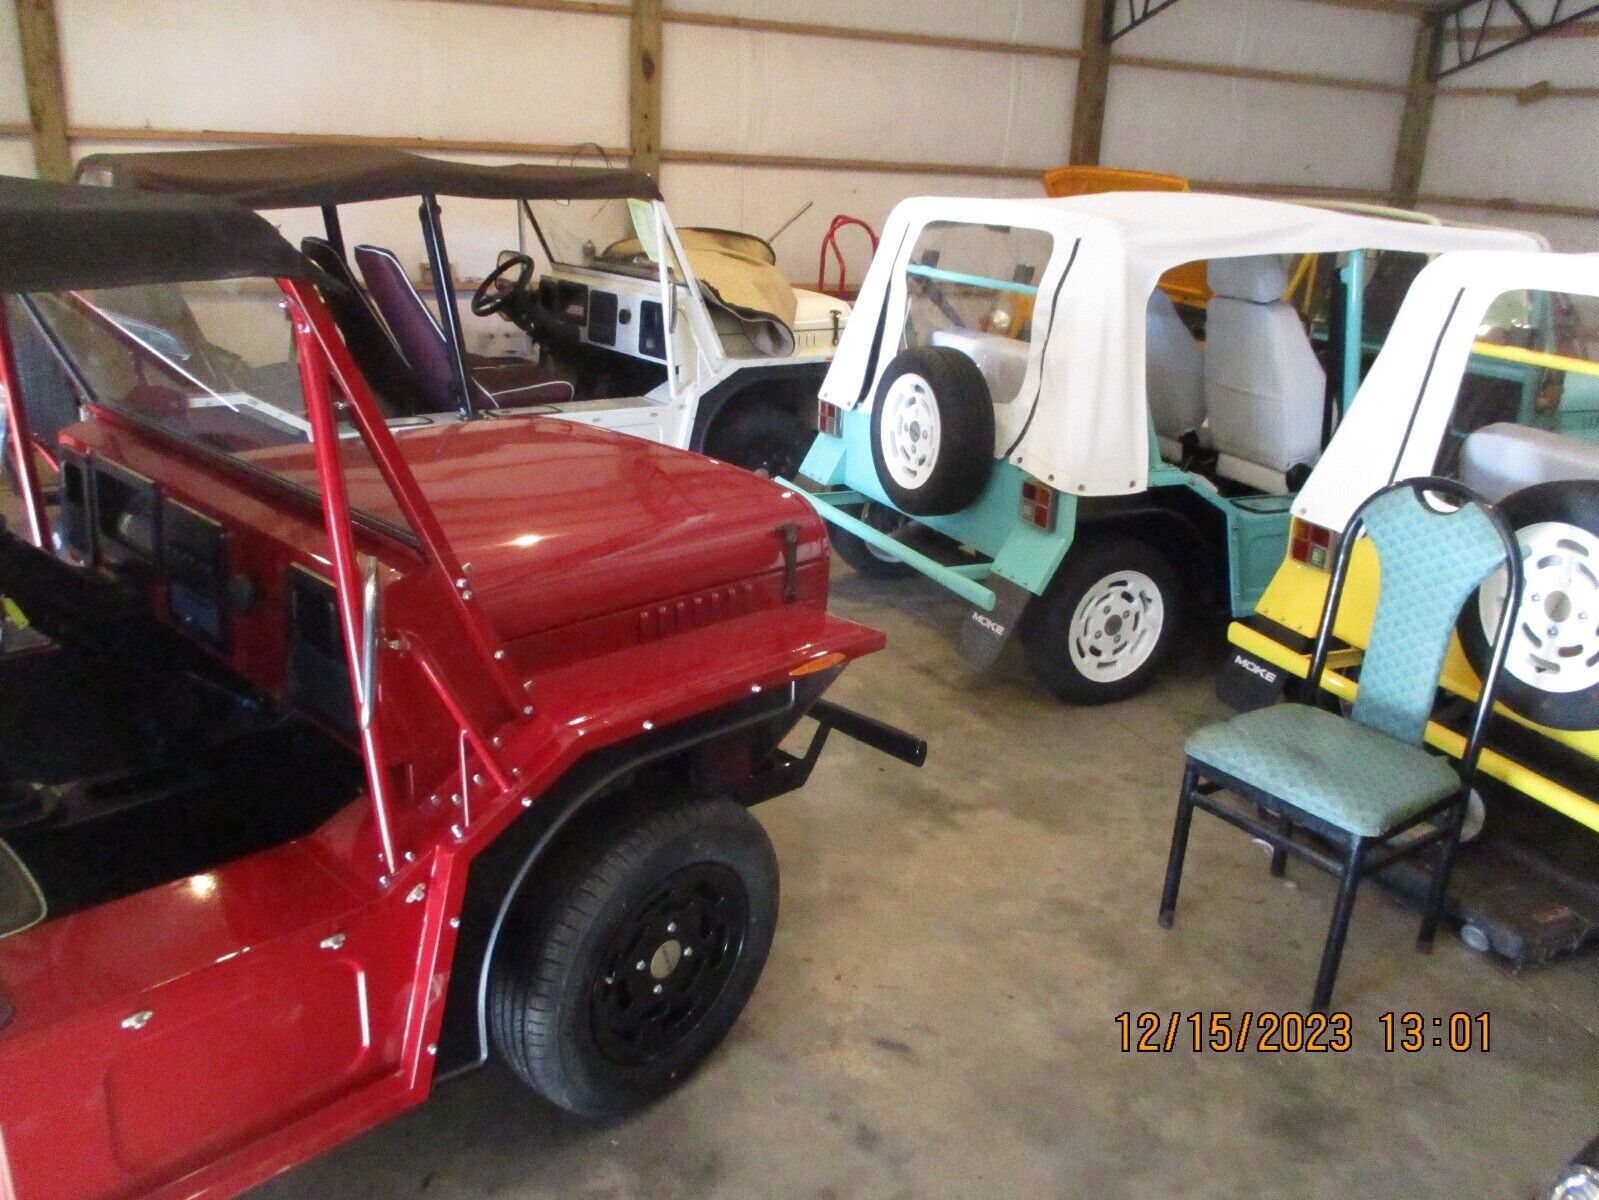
788	772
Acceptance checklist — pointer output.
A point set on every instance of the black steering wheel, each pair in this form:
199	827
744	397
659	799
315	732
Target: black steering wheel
489	299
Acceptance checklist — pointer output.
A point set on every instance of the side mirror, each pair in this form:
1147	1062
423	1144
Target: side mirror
370	619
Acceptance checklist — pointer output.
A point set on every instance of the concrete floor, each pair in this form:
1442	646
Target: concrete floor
938	1014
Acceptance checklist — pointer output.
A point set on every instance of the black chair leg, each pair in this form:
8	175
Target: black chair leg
1179	845
1348	882
1279	856
1440	877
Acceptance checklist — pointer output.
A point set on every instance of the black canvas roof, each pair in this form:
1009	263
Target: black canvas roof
57	236
312	176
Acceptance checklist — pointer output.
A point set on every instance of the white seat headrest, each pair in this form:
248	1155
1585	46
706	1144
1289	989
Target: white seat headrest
1259	278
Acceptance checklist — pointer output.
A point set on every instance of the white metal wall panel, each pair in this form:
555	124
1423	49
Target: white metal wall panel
765	93
399	67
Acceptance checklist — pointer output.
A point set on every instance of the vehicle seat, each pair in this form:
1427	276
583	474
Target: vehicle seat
500	382
1264	387
1174	377
1002	360
1502	458
371	344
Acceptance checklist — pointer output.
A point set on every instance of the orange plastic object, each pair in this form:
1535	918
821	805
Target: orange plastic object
1185	284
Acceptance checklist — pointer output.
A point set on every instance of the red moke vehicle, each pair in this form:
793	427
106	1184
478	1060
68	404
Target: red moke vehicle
335	753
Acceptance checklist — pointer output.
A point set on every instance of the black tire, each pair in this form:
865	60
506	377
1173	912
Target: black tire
1091	568
964	458
762	438
574	1021
866	560
1571	502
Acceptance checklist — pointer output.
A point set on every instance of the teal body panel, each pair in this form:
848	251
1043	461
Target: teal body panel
992	526
1257	526
1257	533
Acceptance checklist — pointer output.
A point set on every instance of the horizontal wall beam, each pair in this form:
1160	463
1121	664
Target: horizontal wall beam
719	158
237	137
873	166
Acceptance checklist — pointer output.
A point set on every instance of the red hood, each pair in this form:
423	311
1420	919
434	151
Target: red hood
561	522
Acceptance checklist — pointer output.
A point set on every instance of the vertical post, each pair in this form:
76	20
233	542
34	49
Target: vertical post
20	438
1354	326
644	87
1093	81
448	301
41	72
334	229
341	549
1414	127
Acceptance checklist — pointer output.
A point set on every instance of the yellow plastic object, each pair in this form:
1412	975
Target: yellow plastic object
1536	358
1294	599
13	614
1185	284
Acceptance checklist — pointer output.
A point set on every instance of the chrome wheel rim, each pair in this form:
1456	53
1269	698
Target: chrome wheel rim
1554	640
910	431
1116	626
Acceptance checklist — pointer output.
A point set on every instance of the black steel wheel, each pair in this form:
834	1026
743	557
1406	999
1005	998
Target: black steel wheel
668	963
638	957
763	438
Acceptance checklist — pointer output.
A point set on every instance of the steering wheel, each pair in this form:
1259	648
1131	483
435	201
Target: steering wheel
488	299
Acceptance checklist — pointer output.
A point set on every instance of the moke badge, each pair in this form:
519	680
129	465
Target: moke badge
984	634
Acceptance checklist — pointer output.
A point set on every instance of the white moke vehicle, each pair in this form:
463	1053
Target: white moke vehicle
1018	411
688	337
1512	413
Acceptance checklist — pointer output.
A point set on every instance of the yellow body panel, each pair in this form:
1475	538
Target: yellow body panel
1294	599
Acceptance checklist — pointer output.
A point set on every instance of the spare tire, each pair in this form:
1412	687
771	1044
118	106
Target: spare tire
1551	673
932	431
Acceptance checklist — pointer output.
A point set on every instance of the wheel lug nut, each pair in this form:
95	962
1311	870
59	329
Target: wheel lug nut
688	951
657	989
671	927
641	964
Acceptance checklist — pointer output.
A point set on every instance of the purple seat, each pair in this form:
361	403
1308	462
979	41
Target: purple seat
500	382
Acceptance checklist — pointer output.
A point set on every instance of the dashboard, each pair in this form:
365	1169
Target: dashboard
627	322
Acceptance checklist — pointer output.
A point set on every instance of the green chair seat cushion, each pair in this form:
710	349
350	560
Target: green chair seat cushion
1355	778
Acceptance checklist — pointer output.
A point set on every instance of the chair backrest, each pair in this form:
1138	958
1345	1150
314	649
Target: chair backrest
1432	561
413	325
371	344
1264	387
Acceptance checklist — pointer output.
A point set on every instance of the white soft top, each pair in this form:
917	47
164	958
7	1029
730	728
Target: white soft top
1397	422
1081	420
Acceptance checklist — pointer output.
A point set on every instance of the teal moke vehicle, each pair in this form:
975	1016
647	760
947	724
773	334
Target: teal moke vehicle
1018	412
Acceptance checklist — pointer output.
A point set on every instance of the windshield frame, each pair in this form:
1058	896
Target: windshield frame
124	414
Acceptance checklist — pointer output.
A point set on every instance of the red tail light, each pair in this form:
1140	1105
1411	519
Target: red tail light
1038	505
1311	544
828	419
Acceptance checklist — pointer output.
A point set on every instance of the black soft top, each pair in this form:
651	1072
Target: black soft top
313	176
60	236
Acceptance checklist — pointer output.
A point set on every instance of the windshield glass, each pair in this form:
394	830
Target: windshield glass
212	364
21	902
591	233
